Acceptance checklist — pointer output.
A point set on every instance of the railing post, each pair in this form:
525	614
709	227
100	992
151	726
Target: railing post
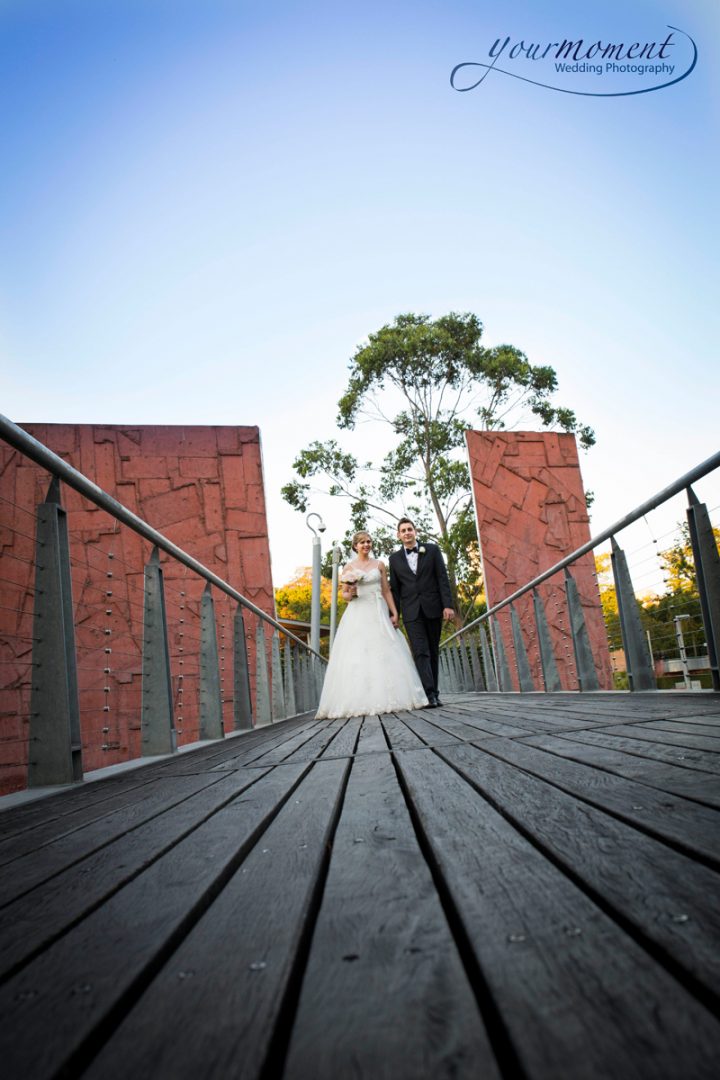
503	670
453	659
298	674
262	688
211	721
551	677
707	571
307	682
488	661
242	705
317	680
278	692
443	673
55	751
290	704
465	669
637	656
584	660
478	680
522	664
157	724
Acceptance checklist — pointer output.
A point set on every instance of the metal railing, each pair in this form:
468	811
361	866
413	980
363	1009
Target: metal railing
472	659
52	629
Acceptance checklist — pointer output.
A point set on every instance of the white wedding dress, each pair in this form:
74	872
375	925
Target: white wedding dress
371	669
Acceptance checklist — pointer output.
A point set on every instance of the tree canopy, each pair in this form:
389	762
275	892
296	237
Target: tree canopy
428	381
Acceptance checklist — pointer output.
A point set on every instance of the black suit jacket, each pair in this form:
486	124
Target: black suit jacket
428	591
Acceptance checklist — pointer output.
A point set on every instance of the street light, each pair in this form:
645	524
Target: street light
315	596
334	596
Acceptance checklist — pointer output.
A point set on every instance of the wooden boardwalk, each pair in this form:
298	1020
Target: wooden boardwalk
509	886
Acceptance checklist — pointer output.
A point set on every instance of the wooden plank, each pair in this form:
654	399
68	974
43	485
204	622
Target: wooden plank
697	726
429	732
461	727
261	737
214	1008
371	739
313	748
279	749
399	735
58	812
688	826
55	1006
36	919
655	750
686	737
384	993
35	866
343	745
577	994
269	741
671	778
669	899
488	725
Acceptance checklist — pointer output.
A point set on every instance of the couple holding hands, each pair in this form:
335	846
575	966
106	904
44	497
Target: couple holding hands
371	669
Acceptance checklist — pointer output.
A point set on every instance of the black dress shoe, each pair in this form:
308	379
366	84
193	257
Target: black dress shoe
438	702
434	701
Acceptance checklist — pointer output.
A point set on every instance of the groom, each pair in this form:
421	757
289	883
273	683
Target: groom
421	590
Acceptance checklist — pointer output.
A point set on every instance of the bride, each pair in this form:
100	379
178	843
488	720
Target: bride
370	668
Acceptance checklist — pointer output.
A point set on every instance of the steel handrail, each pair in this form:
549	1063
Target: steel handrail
21	440
684	481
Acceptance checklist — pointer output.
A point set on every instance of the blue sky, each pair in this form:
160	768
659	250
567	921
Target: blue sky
205	207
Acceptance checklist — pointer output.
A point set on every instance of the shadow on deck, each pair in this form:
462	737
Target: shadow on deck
511	885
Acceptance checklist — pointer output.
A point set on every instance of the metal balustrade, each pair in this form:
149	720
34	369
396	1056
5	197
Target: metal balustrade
87	616
475	658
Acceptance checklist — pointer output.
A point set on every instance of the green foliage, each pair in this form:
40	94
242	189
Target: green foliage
428	381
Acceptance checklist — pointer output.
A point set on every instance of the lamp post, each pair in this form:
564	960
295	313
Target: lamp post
315	596
334	596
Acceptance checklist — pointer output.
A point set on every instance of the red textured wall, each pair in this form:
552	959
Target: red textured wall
200	486
531	512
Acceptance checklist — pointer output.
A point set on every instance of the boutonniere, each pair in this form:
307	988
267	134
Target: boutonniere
421	549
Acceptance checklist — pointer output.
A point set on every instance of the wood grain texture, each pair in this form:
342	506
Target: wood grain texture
371	738
234	966
399	735
344	743
692	828
36	919
510	884
669	778
669	900
569	984
41	863
385	993
55	1007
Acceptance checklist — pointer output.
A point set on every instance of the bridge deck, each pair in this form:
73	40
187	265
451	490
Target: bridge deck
509	885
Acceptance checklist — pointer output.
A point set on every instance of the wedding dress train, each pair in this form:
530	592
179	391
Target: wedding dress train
371	669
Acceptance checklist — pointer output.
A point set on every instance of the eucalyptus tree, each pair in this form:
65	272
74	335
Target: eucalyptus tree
428	381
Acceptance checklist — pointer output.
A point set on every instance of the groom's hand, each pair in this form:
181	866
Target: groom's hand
448	614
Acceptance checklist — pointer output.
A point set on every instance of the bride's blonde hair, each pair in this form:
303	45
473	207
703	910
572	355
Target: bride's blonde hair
357	536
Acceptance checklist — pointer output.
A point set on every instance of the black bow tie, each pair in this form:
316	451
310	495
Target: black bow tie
409	551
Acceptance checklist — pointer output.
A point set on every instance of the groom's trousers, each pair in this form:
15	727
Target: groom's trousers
424	635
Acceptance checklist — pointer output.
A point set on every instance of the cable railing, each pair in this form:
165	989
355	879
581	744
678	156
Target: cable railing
543	637
117	643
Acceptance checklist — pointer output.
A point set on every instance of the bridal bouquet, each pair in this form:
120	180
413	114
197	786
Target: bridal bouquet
352	577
